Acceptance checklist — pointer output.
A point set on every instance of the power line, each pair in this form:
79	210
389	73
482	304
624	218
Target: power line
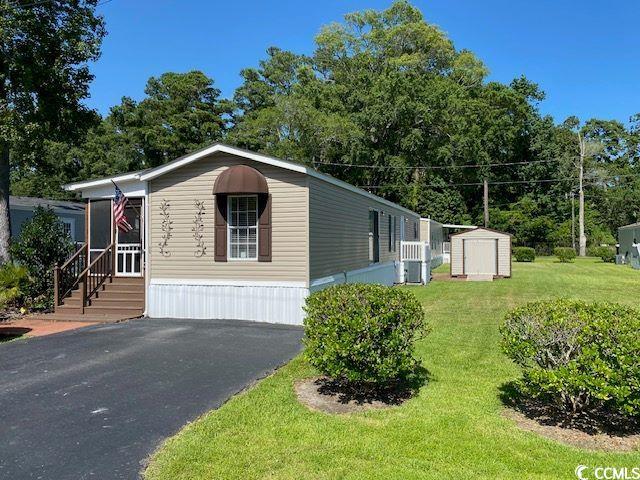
43	2
504	182
473	184
434	167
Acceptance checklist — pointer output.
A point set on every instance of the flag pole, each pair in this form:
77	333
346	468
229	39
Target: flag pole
132	206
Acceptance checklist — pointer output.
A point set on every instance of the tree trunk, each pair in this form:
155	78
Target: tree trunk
5	222
573	221
582	238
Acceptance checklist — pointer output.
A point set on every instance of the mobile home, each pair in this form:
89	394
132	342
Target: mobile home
233	234
628	238
432	232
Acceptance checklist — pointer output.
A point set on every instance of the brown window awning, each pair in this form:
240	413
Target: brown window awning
240	179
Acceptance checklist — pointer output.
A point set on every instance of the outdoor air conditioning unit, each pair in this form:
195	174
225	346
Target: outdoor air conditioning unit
413	272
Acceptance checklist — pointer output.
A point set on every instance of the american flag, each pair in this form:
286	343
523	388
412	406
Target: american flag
119	204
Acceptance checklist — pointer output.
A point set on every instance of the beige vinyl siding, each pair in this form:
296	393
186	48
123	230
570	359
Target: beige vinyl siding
504	250
457	256
182	187
424	230
504	256
339	229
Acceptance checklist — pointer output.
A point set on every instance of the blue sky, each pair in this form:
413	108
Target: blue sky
584	54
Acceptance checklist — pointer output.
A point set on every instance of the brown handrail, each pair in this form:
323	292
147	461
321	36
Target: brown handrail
105	251
73	257
97	272
66	278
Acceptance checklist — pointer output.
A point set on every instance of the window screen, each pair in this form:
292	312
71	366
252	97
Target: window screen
100	223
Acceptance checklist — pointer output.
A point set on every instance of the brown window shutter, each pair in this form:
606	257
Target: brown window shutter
264	229
220	229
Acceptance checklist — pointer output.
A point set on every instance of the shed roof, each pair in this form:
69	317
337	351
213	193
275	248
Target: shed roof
487	229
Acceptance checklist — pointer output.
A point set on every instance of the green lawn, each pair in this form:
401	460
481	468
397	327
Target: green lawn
453	429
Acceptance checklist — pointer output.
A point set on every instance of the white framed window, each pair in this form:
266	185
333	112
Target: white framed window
69	226
242	221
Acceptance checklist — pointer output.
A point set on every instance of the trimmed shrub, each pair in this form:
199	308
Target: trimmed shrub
565	254
524	254
42	243
14	281
607	254
578	356
363	334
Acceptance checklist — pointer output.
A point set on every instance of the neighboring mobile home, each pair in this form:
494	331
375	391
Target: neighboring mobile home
228	233
628	240
433	233
71	214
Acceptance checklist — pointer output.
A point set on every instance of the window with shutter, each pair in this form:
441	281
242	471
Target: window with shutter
242	215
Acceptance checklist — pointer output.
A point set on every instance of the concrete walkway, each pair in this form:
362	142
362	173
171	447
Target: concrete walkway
36	327
97	401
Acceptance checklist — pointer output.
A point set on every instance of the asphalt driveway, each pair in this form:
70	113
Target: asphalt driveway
95	402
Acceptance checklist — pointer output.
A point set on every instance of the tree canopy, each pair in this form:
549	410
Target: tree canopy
45	48
386	102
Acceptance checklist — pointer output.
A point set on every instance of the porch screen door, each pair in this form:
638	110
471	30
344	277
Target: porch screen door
129	244
99	227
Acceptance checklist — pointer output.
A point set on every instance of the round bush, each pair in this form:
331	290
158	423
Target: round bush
524	254
607	254
363	334
581	357
565	254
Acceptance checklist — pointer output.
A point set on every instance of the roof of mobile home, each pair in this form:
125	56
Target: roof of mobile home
151	173
631	225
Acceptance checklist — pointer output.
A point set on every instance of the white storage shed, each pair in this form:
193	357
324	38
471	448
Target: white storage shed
481	252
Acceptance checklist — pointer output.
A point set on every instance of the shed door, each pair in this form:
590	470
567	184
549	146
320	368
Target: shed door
480	256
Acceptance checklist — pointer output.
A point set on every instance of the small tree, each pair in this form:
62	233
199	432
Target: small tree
42	243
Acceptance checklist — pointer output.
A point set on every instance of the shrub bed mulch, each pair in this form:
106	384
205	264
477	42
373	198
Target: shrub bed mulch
606	433
327	395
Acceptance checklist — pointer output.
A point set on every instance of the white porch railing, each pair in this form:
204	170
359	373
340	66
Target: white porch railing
412	251
129	259
415	252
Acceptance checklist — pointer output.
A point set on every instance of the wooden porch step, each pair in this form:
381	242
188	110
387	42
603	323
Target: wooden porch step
119	297
120	294
116	309
127	281
129	309
70	317
134	300
116	303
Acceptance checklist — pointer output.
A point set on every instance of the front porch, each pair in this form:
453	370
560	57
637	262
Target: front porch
104	279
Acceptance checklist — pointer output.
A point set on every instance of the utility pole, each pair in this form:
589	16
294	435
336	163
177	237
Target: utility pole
573	220
583	237
486	203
